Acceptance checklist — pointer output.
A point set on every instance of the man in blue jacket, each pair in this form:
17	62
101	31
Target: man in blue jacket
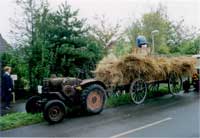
7	86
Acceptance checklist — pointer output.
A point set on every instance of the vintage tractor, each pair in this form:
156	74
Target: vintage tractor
60	94
195	77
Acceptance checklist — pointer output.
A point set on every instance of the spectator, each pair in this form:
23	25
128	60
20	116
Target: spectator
7	86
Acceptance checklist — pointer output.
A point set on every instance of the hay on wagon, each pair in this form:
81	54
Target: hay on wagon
118	71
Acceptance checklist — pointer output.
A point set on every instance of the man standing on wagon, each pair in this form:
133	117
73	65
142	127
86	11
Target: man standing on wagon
141	43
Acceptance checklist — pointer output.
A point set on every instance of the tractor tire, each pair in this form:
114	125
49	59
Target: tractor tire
31	105
93	99
54	111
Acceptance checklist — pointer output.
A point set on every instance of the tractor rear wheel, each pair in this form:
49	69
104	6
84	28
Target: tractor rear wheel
93	99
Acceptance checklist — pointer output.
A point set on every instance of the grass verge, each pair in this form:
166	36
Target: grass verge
15	120
114	101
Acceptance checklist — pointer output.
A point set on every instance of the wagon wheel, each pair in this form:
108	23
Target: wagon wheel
174	83
138	91
153	87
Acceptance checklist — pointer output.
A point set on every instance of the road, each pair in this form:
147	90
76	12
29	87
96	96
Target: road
167	116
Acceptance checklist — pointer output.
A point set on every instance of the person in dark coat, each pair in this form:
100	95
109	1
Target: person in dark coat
7	86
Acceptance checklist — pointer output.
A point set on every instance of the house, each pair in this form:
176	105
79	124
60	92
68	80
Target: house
3	48
3	45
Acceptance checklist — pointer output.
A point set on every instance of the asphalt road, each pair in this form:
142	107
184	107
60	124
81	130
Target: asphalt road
161	117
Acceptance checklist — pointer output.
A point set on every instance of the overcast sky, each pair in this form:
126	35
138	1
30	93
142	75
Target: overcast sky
115	10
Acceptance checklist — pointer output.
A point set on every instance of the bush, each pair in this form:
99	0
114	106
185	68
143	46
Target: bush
163	49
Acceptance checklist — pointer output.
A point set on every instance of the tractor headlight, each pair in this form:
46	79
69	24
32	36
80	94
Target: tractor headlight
78	88
39	88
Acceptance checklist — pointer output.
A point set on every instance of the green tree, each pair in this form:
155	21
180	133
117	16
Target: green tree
133	31
154	20
13	59
190	46
122	47
71	46
54	42
30	38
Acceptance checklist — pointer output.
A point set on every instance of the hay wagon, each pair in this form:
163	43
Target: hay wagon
137	75
139	88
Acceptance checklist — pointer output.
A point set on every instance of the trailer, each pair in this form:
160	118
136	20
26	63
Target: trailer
139	88
137	75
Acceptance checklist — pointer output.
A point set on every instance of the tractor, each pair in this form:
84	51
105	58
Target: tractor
58	95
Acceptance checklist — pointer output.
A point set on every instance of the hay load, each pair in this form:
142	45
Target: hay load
108	68
118	71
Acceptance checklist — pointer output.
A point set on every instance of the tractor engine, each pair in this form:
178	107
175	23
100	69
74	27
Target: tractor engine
66	85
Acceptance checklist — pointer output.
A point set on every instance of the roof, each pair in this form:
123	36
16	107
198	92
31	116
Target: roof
3	44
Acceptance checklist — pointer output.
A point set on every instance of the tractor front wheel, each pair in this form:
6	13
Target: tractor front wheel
54	111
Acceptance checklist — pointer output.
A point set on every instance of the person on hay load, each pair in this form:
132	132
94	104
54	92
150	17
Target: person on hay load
141	43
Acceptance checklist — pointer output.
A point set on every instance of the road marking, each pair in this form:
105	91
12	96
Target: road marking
140	128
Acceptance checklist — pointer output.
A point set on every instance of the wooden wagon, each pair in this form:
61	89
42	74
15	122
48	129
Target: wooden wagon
139	88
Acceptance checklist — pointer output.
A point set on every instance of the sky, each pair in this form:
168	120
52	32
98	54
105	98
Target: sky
121	11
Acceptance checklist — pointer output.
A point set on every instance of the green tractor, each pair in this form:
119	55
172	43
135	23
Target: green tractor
57	95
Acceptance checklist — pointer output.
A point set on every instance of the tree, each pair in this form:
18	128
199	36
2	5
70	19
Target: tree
105	33
122	47
190	46
71	47
133	31
55	42
173	37
13	59
154	20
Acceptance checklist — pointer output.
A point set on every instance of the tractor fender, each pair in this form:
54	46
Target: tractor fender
88	82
